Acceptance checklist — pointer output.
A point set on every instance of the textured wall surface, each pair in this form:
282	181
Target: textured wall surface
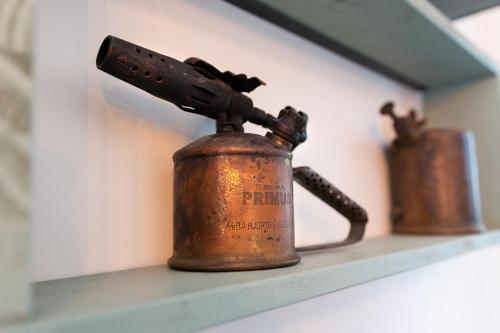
15	113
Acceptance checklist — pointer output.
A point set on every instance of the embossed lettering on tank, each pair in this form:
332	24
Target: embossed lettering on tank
266	201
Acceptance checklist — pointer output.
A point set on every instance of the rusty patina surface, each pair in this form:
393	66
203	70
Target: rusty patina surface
434	181
233	204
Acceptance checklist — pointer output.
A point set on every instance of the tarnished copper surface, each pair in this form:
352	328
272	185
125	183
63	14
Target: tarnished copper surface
233	204
434	182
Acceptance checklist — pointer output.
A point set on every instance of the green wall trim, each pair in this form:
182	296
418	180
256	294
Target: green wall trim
157	299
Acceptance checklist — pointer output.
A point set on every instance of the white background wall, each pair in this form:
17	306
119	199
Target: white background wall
102	182
483	29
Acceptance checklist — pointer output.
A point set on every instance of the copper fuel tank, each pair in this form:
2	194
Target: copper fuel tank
434	180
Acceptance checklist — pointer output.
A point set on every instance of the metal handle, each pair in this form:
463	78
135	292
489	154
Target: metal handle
332	196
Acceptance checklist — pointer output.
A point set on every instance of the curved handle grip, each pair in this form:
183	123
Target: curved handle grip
332	196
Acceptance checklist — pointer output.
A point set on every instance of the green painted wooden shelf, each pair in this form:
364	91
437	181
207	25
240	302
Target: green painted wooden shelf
157	299
408	40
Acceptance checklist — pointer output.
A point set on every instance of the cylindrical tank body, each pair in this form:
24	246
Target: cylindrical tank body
435	184
233	204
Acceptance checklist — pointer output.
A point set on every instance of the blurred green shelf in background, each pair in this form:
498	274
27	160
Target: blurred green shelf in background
158	299
407	40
